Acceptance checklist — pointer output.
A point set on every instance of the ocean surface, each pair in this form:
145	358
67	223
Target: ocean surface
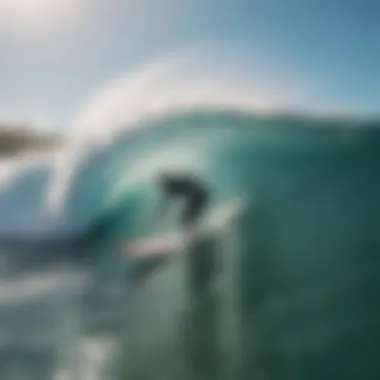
295	291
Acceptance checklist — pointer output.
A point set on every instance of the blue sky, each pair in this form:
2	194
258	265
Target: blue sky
53	59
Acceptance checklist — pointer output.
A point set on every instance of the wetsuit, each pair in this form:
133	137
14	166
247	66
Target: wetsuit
192	190
200	325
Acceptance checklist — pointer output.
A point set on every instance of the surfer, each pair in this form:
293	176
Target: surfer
196	196
180	186
199	331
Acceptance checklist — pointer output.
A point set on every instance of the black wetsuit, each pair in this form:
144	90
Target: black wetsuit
200	325
196	197
193	191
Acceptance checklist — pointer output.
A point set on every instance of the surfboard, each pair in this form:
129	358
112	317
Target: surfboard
212	224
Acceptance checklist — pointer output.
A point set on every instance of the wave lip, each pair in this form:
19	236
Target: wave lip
41	196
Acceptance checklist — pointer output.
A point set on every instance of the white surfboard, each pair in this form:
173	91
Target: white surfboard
212	224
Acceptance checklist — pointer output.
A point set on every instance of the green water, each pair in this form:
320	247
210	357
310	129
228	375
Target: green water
292	293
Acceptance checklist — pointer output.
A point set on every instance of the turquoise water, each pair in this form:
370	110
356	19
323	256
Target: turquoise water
298	290
295	284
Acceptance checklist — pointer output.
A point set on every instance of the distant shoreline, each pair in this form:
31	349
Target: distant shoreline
19	140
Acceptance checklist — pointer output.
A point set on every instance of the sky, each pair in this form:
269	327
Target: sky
55	54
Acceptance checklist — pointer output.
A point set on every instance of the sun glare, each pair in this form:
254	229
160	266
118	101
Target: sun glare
37	13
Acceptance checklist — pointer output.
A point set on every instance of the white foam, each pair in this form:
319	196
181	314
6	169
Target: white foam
199	78
26	288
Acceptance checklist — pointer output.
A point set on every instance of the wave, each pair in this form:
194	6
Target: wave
117	180
307	249
178	113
